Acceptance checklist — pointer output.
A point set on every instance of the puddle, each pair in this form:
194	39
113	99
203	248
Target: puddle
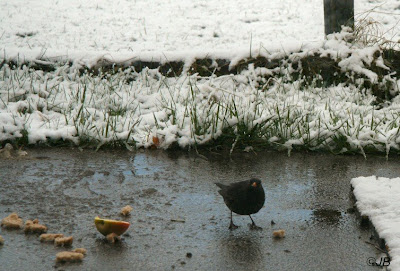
177	210
327	216
144	165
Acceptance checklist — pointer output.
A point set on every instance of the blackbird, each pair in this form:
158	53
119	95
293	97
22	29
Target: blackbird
243	198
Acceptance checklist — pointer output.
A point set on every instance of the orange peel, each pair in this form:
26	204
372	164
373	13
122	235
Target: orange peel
107	226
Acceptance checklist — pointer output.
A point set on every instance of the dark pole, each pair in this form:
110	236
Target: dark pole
338	13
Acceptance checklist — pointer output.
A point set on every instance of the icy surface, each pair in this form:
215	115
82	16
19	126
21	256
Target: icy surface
378	198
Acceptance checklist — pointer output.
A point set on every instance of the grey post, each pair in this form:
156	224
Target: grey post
338	13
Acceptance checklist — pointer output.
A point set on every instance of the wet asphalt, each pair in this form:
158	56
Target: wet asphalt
179	221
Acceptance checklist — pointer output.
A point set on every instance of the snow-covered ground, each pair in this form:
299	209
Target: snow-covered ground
137	26
378	198
188	110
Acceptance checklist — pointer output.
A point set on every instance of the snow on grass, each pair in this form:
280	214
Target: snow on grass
147	108
251	108
378	198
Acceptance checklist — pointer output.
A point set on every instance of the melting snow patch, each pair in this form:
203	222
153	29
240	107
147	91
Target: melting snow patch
378	198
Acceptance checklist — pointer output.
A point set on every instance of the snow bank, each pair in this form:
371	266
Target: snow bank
378	198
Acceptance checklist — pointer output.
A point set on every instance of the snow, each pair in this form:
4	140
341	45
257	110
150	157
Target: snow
188	109
378	198
159	25
192	110
122	28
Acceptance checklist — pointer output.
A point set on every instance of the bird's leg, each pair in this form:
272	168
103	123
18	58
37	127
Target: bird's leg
253	225
232	226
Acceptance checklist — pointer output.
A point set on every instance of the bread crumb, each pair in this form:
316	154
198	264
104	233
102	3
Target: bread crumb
63	241
69	256
21	153
125	211
80	250
50	237
1	240
112	237
34	226
12	222
6	151
279	234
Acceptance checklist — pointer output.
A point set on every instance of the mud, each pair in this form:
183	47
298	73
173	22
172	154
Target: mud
179	221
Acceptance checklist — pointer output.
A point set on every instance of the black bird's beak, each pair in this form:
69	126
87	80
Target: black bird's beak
254	184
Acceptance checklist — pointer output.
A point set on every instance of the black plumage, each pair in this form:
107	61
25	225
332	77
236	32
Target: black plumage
243	198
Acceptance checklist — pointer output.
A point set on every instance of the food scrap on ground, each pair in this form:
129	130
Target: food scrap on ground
125	211
12	222
112	237
107	226
63	241
34	226
6	151
69	256
1	240
278	234
21	153
50	237
178	220
80	250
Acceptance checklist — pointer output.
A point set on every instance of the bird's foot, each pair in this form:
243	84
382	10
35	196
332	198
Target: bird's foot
233	226
254	227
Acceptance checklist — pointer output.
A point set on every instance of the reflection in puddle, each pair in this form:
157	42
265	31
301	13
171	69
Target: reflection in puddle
145	165
327	216
291	215
298	188
331	217
243	250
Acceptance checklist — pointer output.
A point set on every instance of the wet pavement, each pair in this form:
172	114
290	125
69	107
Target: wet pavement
177	212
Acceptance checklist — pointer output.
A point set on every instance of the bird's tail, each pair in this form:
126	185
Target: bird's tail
223	188
220	185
